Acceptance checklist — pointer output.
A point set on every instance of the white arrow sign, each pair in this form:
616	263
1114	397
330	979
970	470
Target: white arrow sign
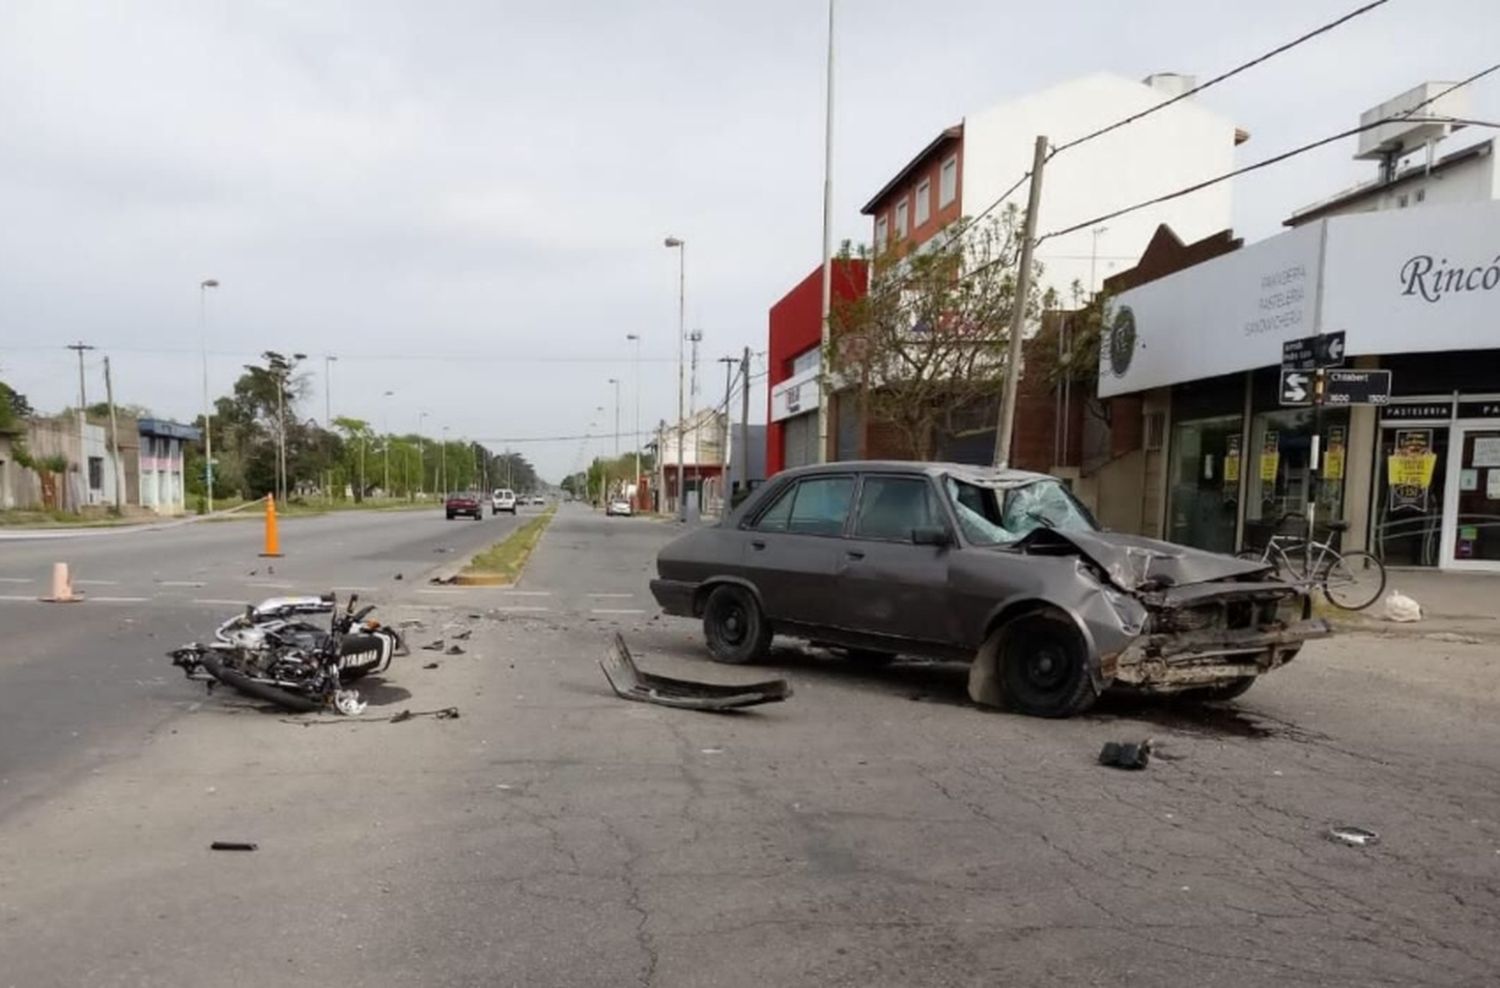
1294	388
1336	349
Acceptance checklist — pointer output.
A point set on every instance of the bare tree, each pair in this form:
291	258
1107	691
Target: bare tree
927	343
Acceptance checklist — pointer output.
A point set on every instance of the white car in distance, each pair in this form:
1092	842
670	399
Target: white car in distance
503	500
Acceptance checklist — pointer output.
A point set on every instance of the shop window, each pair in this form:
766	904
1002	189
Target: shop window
1206	462
1280	480
1408	516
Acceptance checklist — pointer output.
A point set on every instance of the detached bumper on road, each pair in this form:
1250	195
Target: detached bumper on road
1170	662
674	596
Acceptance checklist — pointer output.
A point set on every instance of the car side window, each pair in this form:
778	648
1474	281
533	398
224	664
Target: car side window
891	507
821	506
774	518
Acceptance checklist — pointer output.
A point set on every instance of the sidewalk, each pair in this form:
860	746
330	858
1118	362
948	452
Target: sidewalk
1465	604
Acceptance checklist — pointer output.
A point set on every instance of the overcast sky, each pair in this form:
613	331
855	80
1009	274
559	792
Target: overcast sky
465	201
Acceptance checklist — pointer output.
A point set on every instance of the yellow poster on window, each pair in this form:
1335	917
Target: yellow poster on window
1333	460
1232	461
1270	456
1409	470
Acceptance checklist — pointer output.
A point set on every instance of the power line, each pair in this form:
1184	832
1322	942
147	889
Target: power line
1279	49
345	356
1274	159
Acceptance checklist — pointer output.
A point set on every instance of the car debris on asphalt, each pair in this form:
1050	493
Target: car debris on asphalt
436	646
1353	836
454	650
430	665
630	683
233	845
1126	755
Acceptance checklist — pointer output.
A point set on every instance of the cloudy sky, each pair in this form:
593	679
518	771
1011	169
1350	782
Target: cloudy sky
465	200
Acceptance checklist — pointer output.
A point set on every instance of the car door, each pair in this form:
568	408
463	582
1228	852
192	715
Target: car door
794	545
891	585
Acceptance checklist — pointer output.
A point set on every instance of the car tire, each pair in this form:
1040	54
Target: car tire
1220	692
734	626
450	516
1044	669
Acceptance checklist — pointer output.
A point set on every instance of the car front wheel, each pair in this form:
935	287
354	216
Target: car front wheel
735	627
1044	666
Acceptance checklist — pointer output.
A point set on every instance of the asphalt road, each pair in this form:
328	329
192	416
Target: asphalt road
876	829
72	676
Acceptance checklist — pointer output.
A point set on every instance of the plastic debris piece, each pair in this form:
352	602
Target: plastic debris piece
348	703
233	845
630	683
1353	836
1127	755
1401	608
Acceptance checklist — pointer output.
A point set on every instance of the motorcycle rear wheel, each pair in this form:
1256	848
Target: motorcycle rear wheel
260	691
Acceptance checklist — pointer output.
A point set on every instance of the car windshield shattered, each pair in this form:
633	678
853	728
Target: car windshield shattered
1001	515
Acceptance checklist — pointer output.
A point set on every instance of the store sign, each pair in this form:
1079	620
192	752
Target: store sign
1409	280
1409	411
1409	470
1479	409
795	395
1228	314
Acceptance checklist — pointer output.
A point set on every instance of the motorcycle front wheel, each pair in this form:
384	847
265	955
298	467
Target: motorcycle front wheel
260	691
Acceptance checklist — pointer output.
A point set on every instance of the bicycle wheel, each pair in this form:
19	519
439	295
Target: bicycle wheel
1354	581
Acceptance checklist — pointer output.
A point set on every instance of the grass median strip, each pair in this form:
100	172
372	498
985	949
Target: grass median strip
501	564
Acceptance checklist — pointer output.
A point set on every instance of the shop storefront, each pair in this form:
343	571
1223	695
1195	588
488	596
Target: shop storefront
1416	292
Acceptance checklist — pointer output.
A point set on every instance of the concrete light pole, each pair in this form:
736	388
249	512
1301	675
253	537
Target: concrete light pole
421	461
824	399
208	437
636	440
443	464
616	382
386	429
681	246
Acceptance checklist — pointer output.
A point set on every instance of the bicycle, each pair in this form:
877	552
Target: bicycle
1351	581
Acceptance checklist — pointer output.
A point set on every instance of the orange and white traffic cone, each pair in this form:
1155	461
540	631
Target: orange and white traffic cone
273	541
62	586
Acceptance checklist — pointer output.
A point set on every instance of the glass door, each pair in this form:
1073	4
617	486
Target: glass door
1409	497
1206	461
1472	535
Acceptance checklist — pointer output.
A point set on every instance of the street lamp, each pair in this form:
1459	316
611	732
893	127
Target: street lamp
681	247
421	461
208	439
636	339
386	428
443	464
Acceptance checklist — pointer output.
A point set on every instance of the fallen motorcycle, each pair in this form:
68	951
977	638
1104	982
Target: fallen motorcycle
273	652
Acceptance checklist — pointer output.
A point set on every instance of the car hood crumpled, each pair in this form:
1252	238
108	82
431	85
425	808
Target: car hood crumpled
1134	562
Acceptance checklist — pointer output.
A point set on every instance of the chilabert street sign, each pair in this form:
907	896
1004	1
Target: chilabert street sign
1357	387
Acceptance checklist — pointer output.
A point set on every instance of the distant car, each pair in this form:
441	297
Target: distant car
537	499
463	503
1003	568
503	500
617	506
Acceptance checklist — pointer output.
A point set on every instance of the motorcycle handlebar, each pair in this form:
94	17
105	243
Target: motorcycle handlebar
362	613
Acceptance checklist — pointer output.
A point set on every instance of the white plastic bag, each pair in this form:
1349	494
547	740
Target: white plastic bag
1399	607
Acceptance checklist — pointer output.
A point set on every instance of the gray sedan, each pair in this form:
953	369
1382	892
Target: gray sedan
1001	567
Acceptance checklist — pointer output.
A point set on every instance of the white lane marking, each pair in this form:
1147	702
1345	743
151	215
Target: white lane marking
218	600
355	589
527	593
16	579
615	595
518	610
14	597
444	593
180	583
96	583
118	600
272	586
617	610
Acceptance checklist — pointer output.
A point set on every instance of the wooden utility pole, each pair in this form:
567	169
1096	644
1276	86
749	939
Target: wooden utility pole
745	419
114	435
1007	422
83	451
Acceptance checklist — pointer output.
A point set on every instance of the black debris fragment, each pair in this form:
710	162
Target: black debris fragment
464	635
630	683
454	650
436	646
398	576
403	715
430	665
412	623
233	845
1121	754
447	713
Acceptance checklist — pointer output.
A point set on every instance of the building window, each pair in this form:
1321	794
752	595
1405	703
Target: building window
96	473
924	202
901	218
1401	201
948	182
881	233
806	361
1421	195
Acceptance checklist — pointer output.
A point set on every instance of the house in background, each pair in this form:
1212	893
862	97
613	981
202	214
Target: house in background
160	464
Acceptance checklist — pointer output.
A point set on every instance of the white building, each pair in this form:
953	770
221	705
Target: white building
968	166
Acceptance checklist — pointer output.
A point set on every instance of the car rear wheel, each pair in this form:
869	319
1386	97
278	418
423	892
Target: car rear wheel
450	516
735	627
1044	666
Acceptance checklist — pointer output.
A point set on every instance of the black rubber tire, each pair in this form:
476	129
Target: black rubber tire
1355	562
868	657
260	691
734	626
450	516
1219	693
1043	666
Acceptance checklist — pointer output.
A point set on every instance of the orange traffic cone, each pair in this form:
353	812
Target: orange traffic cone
62	586
273	541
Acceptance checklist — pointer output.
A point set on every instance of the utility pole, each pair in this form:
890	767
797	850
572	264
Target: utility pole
386	441
208	432
616	382
824	400
636	434
745	419
681	246
1007	423
83	456
725	460
696	337
114	435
